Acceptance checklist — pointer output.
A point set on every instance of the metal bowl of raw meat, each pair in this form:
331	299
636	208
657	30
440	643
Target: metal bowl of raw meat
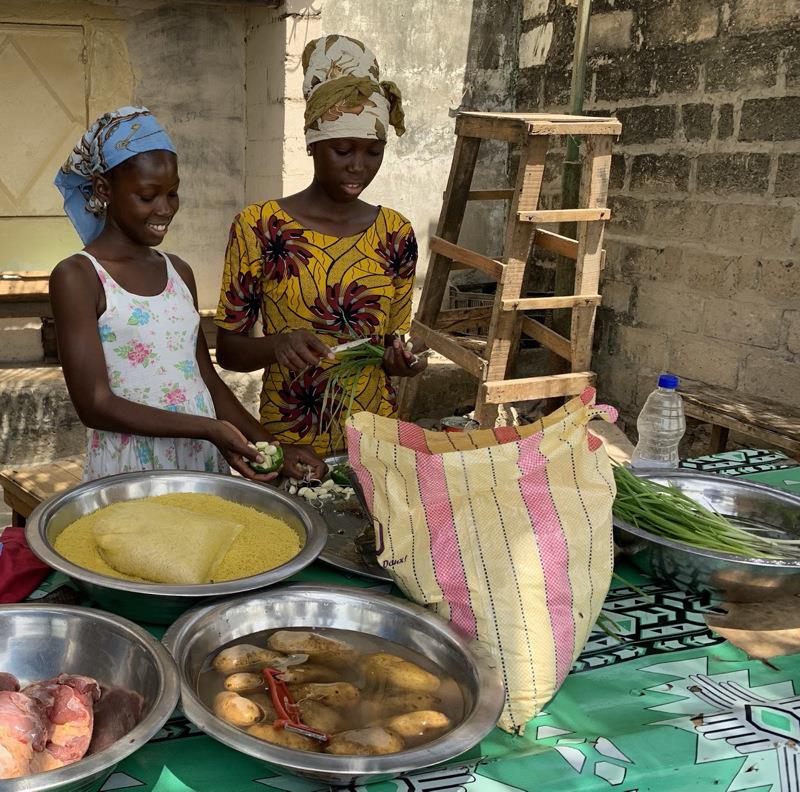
157	603
725	576
201	632
136	675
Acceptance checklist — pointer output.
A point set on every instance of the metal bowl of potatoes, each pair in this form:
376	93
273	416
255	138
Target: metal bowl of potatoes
196	638
156	603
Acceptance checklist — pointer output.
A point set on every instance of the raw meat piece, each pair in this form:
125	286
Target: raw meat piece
115	714
67	702
8	682
23	733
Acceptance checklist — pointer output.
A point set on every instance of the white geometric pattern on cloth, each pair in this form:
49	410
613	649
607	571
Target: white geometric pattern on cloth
733	718
149	344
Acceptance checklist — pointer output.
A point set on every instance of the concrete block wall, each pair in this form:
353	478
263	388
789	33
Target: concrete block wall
703	275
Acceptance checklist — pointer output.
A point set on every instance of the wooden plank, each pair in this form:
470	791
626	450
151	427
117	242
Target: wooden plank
531	118
556	243
776	425
437	275
502	343
719	439
769	437
25	309
505	194
459	318
565	215
546	303
491	127
529	388
593	193
16	288
464	256
449	347
595	127
546	337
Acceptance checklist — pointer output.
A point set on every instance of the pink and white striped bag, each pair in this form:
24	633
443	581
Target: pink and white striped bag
506	533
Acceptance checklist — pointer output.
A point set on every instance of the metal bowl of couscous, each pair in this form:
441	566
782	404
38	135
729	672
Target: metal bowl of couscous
160	603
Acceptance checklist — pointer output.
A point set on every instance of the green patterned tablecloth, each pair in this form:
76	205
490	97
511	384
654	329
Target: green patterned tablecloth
670	709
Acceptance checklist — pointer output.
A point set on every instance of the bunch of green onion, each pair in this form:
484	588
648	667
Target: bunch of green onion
343	377
667	512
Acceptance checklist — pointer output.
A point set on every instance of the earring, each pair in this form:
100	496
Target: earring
308	150
105	204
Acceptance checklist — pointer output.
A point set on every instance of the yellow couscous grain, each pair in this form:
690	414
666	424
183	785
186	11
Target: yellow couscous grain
264	543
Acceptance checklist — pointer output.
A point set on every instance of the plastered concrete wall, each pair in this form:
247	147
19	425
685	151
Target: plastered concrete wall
189	66
703	274
187	63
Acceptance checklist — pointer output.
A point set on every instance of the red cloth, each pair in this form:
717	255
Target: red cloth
20	570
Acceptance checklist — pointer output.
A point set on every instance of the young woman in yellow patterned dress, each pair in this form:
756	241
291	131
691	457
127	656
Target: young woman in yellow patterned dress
322	267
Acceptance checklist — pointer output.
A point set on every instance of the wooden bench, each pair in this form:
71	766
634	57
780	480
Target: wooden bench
26	486
775	425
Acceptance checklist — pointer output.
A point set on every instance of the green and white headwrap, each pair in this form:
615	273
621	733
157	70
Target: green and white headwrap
345	97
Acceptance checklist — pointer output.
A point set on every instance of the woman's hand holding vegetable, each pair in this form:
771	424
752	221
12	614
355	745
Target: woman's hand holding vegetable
401	361
300	349
296	455
237	451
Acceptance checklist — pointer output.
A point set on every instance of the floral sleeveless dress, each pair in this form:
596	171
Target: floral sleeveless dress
149	345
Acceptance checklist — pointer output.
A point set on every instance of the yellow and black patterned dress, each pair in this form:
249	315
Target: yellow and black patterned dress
337	287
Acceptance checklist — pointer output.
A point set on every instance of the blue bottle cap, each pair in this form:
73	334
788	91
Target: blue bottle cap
668	381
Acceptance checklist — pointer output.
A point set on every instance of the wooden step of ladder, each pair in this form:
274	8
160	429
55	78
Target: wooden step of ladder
506	319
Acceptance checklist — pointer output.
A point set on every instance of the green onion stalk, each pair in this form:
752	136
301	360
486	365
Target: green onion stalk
667	512
344	376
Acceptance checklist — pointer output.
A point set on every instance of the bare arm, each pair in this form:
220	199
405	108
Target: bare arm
295	350
74	293
226	405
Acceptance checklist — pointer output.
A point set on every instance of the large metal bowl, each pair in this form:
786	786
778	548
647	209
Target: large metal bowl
42	641
202	631
156	603
726	576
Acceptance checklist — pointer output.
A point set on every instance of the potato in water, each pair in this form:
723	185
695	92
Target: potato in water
374	709
245	657
309	672
420	727
286	739
237	710
332	694
387	670
243	681
369	696
372	741
326	651
265	703
318	716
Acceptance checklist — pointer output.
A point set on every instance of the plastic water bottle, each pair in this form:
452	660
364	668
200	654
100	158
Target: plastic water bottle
661	426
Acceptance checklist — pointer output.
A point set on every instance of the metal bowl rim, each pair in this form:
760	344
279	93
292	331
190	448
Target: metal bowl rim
654	474
486	712
165	702
316	537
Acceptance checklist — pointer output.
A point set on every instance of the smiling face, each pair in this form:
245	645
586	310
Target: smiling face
344	167
142	196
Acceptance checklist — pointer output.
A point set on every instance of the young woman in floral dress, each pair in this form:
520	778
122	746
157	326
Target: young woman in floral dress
322	267
137	369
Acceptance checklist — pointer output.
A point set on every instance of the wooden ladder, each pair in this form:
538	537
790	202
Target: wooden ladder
506	318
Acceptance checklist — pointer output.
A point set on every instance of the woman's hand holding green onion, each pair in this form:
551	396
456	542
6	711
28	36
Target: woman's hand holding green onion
399	360
300	349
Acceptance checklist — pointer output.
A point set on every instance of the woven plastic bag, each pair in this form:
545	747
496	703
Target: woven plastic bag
506	533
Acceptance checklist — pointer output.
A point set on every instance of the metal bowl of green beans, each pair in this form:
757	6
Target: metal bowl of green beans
744	571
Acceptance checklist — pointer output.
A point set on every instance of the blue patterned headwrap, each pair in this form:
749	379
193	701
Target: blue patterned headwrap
112	139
